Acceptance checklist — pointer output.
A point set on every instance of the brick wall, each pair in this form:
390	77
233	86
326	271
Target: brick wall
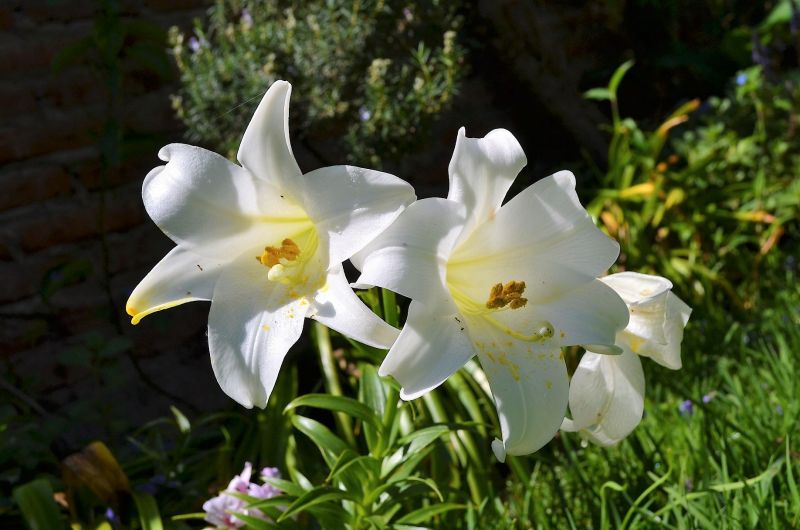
74	237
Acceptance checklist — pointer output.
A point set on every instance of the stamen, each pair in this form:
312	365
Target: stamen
272	255
509	294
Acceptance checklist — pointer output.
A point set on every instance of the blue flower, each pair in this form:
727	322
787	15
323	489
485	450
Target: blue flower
741	79
686	407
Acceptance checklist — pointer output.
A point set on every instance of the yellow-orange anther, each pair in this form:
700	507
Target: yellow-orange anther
272	255
509	294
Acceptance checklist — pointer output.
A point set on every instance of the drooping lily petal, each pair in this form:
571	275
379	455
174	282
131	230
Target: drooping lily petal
657	316
607	396
274	240
181	276
519	281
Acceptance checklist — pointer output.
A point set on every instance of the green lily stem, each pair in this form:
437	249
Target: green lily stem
390	307
390	315
323	341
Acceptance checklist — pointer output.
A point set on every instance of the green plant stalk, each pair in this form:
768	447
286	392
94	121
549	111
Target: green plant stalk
322	340
389	302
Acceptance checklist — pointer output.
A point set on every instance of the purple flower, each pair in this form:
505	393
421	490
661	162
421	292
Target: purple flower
741	79
707	398
246	19
219	509
686	407
194	44
364	114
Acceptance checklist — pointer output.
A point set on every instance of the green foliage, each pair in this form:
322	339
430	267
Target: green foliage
374	72
715	210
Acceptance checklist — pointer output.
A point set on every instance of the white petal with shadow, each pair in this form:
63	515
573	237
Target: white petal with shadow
353	205
606	396
339	308
432	345
529	384
215	208
181	276
409	257
251	326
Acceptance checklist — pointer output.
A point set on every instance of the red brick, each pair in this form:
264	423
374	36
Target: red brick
65	220
34	135
33	183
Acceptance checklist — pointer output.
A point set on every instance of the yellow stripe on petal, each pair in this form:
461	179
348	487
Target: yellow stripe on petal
137	316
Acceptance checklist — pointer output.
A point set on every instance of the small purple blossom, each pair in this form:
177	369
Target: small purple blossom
194	44
408	14
686	407
741	79
707	398
364	114
220	509
246	19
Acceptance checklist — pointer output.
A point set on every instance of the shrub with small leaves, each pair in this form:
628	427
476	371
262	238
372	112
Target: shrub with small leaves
372	72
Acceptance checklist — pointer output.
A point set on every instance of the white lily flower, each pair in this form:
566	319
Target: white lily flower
511	283
265	244
606	395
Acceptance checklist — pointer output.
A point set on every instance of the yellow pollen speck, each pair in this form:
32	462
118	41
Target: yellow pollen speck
549	384
512	366
636	343
542	356
272	255
509	294
562	334
561	355
265	327
491	356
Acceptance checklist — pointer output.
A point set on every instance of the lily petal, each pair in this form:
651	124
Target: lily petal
410	256
606	396
433	344
669	354
556	249
252	324
265	149
529	384
481	172
353	205
339	308
646	297
213	207
181	276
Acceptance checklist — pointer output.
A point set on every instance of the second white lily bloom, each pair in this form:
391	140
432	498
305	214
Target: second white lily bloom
511	283
265	243
606	395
